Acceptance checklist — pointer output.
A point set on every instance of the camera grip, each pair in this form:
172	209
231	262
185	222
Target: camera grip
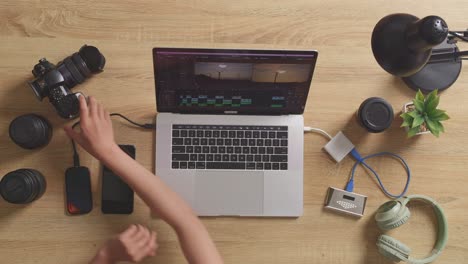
66	104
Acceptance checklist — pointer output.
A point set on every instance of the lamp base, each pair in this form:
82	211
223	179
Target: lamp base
436	75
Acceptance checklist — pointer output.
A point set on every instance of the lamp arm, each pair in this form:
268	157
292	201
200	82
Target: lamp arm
450	54
461	35
445	55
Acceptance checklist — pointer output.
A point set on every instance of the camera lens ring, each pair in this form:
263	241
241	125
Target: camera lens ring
38	183
81	64
73	70
45	129
41	133
32	182
69	80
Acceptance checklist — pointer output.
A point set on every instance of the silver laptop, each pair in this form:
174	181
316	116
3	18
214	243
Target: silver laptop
229	136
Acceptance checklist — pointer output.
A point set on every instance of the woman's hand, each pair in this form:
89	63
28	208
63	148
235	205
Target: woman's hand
134	244
96	135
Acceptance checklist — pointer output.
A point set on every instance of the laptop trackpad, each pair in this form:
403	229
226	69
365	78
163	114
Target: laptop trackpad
229	192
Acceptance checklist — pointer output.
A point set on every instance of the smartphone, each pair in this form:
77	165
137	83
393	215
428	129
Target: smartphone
117	196
79	198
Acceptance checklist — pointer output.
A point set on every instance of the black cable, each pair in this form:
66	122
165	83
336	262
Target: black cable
76	157
146	126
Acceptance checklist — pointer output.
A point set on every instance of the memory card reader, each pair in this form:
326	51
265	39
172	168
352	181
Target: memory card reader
345	202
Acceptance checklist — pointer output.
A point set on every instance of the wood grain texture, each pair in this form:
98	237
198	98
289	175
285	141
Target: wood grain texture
346	74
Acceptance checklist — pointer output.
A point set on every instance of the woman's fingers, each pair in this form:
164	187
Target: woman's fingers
93	106
152	244
107	115
71	133
84	111
100	111
130	232
142	234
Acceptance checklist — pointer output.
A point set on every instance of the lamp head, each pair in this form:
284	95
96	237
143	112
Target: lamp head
402	43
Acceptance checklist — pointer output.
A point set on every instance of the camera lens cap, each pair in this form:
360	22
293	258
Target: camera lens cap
375	114
30	131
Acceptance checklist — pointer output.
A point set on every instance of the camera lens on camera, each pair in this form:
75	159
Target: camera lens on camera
22	186
79	66
30	131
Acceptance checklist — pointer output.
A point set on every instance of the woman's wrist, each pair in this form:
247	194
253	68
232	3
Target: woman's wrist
102	257
108	153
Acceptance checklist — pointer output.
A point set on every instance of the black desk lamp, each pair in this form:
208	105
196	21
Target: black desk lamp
421	51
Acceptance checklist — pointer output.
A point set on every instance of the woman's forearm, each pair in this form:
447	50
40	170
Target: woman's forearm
195	240
159	197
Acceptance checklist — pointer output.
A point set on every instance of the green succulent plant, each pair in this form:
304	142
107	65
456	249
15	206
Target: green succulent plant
424	115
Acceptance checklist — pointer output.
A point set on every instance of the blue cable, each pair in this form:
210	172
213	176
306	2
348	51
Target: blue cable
361	160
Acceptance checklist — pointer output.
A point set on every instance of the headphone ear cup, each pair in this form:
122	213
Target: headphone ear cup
393	249
401	221
395	221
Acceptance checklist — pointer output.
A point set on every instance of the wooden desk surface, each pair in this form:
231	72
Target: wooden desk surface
346	73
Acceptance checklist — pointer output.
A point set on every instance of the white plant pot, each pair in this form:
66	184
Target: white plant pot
405	107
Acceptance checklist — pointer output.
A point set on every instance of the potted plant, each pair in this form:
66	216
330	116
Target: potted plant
421	116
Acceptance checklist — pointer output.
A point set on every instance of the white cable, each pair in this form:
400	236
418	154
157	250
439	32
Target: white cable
317	130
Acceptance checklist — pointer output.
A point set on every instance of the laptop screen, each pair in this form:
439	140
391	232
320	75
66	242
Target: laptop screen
220	81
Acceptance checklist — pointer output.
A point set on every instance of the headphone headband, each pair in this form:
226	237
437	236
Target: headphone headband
442	234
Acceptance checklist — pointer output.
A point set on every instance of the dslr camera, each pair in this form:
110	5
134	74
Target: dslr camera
56	81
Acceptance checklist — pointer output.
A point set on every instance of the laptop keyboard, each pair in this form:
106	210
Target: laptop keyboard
226	147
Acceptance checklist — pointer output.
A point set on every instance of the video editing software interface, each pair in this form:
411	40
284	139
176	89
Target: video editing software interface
232	81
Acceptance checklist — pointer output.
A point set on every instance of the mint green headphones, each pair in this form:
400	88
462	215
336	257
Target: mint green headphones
395	213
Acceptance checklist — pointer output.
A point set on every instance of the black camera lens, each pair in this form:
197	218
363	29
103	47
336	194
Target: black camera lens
79	66
375	114
30	131
22	186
